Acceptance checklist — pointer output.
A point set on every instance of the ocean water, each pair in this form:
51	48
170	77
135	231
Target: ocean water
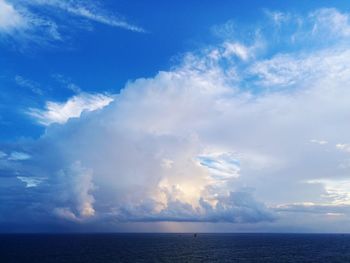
105	248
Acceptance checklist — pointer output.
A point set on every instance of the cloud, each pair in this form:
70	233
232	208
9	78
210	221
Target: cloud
44	22
66	83
10	18
332	21
18	156
343	147
328	210
18	23
291	69
2	154
221	137
237	49
224	166
74	190
90	12
73	108
31	181
320	142
337	191
278	18
236	207
25	83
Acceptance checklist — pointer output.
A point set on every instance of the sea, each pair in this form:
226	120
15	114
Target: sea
133	248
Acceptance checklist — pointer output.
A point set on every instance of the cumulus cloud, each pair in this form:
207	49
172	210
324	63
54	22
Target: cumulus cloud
206	141
74	188
236	207
150	168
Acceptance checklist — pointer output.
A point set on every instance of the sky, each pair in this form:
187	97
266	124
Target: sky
174	116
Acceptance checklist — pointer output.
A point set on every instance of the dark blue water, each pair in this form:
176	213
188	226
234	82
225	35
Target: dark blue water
135	248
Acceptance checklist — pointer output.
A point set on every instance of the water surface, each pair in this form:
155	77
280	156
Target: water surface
105	248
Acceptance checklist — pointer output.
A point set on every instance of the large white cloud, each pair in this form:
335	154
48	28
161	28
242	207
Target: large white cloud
231	134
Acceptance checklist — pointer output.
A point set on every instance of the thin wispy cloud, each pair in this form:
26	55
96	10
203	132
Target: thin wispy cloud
29	21
17	22
28	84
19	156
86	9
31	181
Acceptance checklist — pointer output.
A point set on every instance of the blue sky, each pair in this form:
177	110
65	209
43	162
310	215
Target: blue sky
174	116
103	58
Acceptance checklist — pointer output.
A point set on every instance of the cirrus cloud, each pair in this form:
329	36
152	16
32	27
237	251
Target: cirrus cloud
40	21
